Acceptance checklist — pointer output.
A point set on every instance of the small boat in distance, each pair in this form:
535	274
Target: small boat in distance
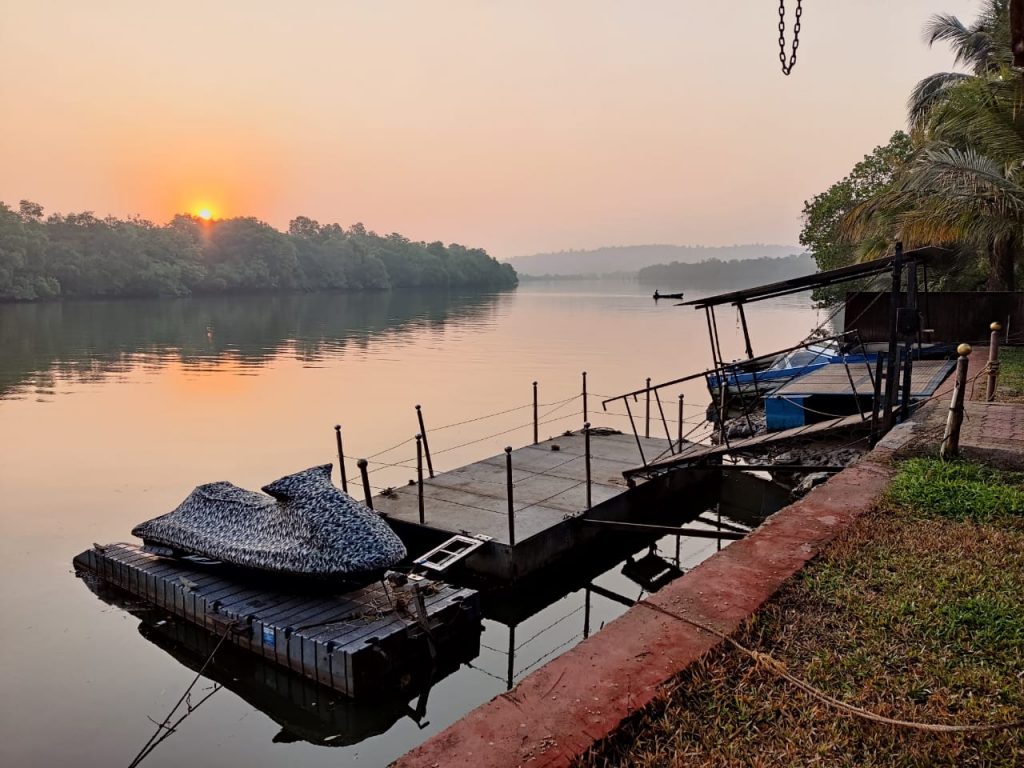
658	295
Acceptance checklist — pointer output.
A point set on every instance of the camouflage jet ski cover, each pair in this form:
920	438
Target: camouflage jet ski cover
305	527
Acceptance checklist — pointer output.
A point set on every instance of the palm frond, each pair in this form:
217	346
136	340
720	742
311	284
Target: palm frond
929	93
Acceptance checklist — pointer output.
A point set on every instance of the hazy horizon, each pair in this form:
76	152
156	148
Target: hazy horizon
522	129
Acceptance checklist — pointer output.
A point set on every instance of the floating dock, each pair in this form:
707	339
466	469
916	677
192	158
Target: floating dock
358	643
304	710
548	500
839	389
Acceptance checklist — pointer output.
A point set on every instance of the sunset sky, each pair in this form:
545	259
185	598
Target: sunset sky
517	126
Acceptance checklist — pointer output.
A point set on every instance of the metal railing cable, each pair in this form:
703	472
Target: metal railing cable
165	727
550	626
501	680
547	655
504	432
484	417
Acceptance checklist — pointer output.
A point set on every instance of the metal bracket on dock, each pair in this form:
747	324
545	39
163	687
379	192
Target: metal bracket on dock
441	557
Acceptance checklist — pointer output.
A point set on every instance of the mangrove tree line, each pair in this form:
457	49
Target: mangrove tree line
79	255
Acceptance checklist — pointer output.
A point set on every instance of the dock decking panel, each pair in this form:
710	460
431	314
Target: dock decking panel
337	654
925	377
548	487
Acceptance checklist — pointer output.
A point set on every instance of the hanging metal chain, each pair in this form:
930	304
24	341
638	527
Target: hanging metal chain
787	67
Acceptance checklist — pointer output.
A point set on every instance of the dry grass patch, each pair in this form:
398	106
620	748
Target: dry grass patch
912	615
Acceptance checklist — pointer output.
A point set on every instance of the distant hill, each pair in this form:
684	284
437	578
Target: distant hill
716	275
632	258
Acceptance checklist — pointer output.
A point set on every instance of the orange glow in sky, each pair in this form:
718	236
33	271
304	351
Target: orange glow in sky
517	127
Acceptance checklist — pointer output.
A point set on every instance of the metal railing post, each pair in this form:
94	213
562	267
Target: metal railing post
680	421
876	398
362	464
632	424
647	408
950	447
907	391
993	362
585	415
853	388
586	454
419	477
536	425
426	445
341	458
511	505
664	423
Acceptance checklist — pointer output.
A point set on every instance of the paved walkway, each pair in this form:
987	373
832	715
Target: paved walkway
992	432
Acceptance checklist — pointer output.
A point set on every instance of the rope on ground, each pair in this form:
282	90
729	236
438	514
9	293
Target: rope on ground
776	667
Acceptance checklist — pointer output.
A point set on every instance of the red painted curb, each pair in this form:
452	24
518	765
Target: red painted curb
555	714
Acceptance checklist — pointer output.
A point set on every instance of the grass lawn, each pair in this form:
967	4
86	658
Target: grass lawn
1010	384
916	612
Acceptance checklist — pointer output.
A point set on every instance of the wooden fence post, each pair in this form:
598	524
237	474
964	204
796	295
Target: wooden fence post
950	447
993	362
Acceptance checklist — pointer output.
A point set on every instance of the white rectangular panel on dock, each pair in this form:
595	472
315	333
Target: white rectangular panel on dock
356	642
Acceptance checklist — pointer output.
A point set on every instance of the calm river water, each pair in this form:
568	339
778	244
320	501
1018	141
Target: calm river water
111	412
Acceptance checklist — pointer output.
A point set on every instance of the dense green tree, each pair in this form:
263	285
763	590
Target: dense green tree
80	255
964	185
823	215
716	274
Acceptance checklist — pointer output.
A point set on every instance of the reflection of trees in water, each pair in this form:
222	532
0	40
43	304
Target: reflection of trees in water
87	341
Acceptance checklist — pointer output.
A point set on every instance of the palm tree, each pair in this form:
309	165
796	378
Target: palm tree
964	185
983	48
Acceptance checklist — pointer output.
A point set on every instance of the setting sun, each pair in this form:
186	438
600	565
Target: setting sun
205	214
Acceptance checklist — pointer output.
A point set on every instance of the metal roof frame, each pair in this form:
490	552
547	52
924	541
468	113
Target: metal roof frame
816	280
